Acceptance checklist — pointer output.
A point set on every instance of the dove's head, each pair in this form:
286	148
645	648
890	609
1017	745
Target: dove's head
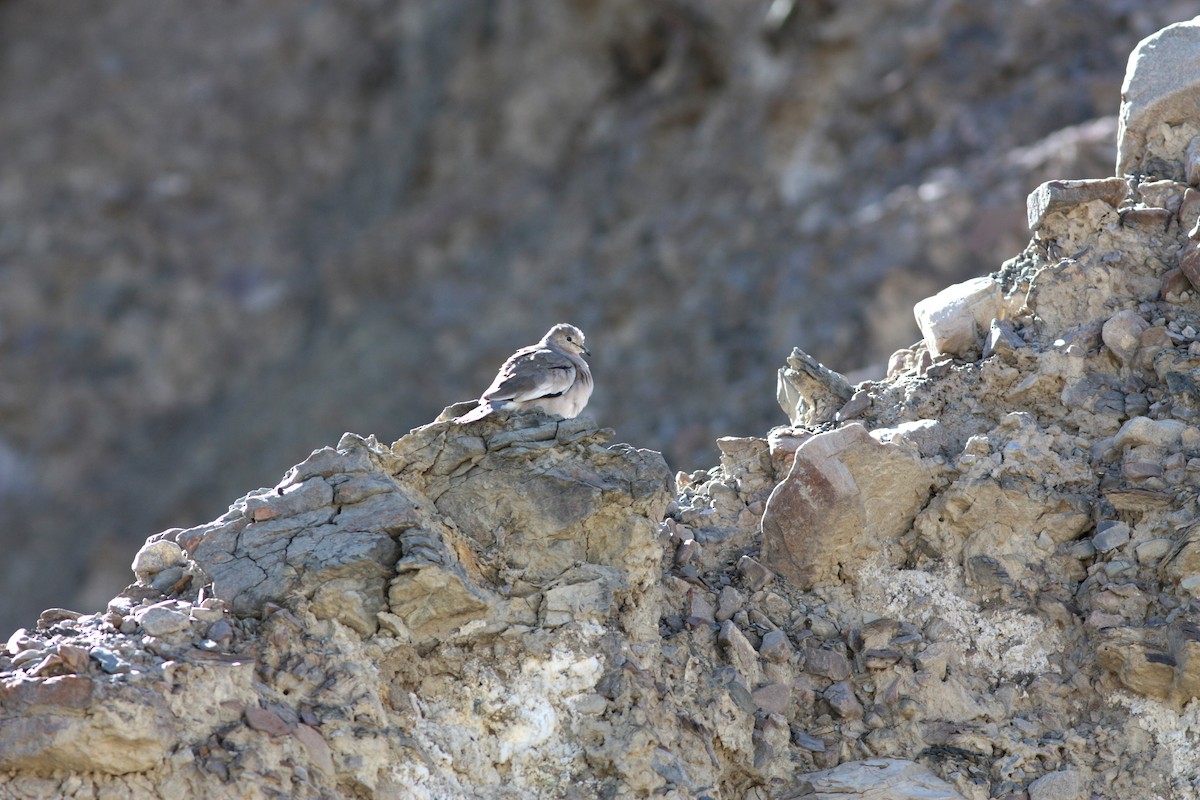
567	338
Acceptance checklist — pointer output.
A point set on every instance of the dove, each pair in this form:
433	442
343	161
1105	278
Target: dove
550	375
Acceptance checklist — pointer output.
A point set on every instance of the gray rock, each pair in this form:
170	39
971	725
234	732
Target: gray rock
842	700
809	392
1110	534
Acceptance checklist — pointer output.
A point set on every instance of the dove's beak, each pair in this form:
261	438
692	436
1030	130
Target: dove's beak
586	352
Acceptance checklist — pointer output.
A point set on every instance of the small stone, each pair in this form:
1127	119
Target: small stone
700	610
729	602
739	651
1110	534
154	557
261	719
1001	338
74	658
855	406
809	742
160	620
775	647
1140	470
109	661
55	616
1191	585
753	574
842	700
827	663
20	640
1065	784
221	632
772	698
1122	334
1152	551
1145	431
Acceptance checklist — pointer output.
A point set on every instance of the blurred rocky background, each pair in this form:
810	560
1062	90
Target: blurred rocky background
249	227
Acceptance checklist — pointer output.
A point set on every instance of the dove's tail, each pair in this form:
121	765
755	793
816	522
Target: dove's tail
479	412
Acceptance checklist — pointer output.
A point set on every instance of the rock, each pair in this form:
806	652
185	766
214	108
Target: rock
775	647
1158	103
1060	196
893	778
755	575
842	700
163	620
809	392
1110	535
1001	338
267	721
1189	264
156	556
1122	334
772	698
729	602
1152	432
842	483
1063	784
951	320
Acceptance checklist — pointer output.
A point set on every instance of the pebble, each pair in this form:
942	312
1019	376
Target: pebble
167	579
1153	551
842	700
754	575
1110	534
20	640
109	661
1122	334
772	698
154	557
775	647
161	621
729	602
808	741
1140	470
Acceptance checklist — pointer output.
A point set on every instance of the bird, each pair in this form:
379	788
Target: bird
550	376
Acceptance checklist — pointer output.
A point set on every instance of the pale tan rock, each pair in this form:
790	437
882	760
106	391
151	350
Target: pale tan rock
842	484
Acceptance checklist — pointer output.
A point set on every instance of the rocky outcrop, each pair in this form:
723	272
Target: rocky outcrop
248	228
313	623
977	577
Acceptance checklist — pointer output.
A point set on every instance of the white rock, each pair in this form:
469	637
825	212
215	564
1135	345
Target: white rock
953	320
154	557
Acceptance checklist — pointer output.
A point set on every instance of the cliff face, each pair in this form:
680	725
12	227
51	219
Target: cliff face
974	578
233	228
